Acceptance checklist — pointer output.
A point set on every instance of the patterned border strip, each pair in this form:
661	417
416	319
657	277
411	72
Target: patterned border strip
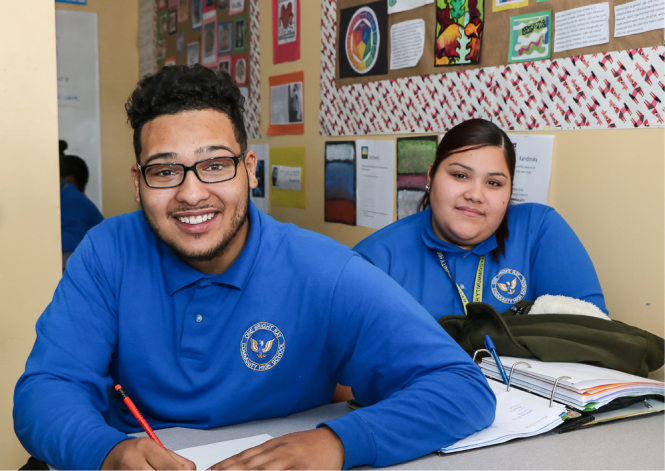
624	89
253	109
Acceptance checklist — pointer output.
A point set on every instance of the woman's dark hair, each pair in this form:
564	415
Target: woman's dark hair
470	135
75	166
185	88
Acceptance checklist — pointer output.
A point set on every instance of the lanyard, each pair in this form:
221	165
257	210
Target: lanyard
477	288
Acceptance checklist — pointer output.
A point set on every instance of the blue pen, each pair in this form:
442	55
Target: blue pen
490	346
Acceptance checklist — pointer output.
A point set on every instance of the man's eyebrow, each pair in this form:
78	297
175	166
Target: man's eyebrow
161	155
209	149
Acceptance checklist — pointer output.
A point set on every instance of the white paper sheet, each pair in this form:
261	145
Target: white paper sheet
375	183
581	27
639	16
286	178
261	195
407	41
395	6
207	455
533	168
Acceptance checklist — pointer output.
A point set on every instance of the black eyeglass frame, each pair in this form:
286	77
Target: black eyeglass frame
236	160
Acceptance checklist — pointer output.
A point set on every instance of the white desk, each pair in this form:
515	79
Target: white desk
628	444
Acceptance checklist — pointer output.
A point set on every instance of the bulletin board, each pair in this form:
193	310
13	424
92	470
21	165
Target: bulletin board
190	30
596	90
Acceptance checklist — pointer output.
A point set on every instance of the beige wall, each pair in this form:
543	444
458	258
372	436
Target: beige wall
118	23
30	260
607	184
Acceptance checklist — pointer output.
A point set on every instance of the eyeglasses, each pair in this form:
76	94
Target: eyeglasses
170	175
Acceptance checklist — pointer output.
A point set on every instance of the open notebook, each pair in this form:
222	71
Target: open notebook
586	389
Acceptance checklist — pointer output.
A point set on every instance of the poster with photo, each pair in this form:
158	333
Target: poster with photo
363	40
240	66
287	104
209	42
530	37
286	30
161	49
224	64
225	37
261	194
236	6
223	5
173	22
193	53
239	35
209	5
197	13
163	23
180	43
183	10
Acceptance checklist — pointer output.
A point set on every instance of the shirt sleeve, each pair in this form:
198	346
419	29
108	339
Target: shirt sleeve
561	265
422	389
58	401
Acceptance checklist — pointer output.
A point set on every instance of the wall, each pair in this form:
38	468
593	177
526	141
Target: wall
607	184
118	24
30	260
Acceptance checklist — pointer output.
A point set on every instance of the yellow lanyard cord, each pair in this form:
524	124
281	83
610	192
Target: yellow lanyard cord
478	287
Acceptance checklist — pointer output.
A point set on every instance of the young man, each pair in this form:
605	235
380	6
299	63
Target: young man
210	313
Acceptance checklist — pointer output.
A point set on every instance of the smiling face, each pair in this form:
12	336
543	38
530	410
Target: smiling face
469	196
205	224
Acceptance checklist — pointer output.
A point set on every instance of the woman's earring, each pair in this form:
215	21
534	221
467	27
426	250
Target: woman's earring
427	188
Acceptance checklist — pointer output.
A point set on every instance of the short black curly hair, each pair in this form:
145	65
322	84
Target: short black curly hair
185	88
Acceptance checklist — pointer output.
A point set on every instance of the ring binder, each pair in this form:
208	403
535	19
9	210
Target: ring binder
481	350
554	388
511	371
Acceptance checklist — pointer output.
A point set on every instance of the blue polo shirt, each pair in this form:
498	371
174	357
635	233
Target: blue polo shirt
542	256
77	216
295	314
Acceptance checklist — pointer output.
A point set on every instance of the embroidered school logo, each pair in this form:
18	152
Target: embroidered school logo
362	40
509	286
262	346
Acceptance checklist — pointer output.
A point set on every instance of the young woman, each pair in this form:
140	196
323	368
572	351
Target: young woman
469	245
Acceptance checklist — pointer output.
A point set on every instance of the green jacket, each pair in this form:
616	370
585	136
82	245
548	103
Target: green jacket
557	337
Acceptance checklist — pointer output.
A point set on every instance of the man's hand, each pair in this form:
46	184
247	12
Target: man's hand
314	449
144	453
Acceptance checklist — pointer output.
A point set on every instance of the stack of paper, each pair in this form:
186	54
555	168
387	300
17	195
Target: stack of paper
518	415
589	387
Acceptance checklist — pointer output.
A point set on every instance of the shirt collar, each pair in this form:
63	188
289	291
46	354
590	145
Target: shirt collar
179	275
433	242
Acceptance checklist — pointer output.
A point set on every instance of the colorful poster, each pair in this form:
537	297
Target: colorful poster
459	32
225	37
363	40
414	156
197	13
173	22
163	23
193	53
287	104
500	5
340	182
396	6
236	6
287	170
209	5
224	65
209	41
239	37
240	70
285	30
223	5
169	61
183	10
530	37
261	194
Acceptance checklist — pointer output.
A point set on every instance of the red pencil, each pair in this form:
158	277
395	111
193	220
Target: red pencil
137	414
